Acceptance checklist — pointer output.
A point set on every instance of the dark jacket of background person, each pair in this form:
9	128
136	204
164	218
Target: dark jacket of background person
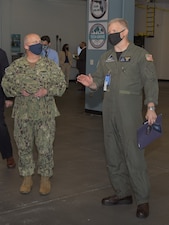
5	143
81	60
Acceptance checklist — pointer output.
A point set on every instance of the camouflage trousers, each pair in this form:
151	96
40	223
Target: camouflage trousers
35	134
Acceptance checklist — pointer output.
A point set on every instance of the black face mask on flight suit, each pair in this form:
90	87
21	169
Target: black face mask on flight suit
115	38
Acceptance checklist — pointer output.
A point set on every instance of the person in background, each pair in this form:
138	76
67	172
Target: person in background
47	51
81	59
5	142
34	81
65	61
124	72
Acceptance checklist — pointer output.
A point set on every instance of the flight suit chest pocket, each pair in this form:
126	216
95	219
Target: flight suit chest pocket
125	61
128	66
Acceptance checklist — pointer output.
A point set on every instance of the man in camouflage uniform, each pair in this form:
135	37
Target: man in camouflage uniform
34	81
124	72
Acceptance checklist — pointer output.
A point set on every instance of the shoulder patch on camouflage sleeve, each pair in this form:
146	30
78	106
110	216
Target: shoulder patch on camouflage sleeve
149	57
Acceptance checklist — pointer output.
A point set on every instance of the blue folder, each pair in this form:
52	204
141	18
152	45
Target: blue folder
146	134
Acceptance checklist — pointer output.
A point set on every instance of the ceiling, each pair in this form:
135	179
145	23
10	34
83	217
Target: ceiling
68	1
137	1
153	1
84	1
156	1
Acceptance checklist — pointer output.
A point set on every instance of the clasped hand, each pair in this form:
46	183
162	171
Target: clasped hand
40	93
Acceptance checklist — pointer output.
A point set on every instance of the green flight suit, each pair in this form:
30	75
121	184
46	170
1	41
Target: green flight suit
34	118
132	73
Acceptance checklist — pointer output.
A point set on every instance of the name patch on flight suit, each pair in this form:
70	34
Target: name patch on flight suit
110	59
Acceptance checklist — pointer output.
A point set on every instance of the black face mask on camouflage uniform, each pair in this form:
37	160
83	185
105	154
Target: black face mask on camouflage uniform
36	48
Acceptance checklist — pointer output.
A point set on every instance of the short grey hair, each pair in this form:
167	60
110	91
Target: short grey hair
122	21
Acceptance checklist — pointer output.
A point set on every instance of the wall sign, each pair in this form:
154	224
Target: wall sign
97	36
98	10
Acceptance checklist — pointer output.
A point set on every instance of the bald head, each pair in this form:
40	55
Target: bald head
32	45
31	39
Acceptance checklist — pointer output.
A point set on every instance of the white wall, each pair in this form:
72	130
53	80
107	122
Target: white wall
158	46
68	20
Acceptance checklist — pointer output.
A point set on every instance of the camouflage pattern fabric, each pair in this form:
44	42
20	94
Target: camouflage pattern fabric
44	74
42	132
34	118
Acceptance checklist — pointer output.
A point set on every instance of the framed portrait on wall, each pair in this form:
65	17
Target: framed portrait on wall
98	10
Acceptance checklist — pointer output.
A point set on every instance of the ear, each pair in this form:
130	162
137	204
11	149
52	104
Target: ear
124	33
26	47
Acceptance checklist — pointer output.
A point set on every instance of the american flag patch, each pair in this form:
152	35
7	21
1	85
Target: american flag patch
149	57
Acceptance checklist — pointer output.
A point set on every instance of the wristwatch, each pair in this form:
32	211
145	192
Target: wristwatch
152	108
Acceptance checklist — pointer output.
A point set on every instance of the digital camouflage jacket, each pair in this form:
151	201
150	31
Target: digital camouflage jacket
21	75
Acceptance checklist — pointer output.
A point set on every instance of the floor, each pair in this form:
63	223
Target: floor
80	178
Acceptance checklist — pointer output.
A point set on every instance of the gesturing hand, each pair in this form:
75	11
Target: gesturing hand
86	80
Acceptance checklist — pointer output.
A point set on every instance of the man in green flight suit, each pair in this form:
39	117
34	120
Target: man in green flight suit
124	72
34	81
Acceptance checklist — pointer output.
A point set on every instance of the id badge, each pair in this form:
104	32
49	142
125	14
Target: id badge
107	81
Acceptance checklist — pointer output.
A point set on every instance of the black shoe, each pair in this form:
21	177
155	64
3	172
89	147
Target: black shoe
114	200
142	210
10	162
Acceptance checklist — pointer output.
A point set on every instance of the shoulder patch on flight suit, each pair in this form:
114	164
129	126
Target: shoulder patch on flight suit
149	57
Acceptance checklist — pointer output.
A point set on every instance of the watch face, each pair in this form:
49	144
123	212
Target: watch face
98	8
